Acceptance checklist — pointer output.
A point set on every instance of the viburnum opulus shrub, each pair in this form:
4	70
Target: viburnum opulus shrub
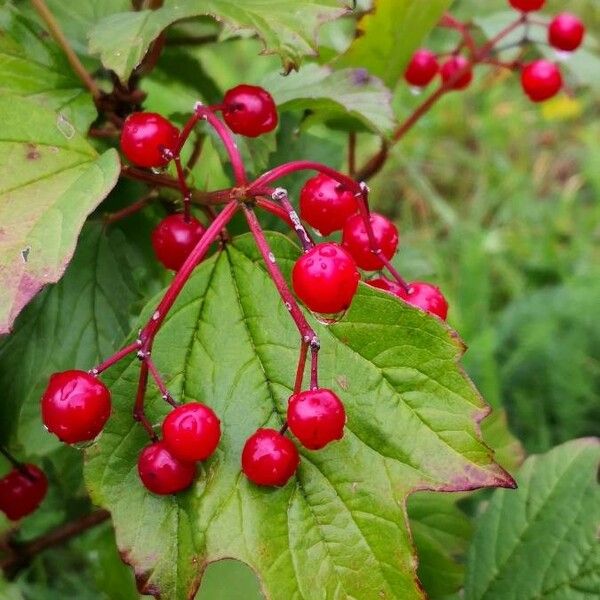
277	395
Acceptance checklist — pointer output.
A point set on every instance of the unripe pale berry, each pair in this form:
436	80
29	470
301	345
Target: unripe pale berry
527	5
249	110
422	68
355	240
174	238
75	406
325	278
144	137
191	432
269	458
451	69
566	32
316	417
325	204
541	80
161	472
22	491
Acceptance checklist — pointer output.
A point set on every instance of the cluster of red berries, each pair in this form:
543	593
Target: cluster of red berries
541	79
22	491
326	277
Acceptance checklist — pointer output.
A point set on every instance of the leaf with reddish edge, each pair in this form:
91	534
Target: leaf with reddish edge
339	527
51	180
286	27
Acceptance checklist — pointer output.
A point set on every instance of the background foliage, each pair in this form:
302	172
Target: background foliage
505	222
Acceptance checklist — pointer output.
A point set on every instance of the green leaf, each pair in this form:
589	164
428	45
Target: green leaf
442	533
51	179
33	66
541	541
390	34
349	92
338	529
509	453
286	27
69	325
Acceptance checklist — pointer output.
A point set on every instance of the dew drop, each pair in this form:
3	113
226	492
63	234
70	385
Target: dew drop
155	316
82	445
93	372
288	306
64	126
271	257
416	91
158	170
329	319
328	251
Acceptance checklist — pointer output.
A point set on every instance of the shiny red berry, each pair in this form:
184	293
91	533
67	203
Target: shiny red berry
269	458
316	417
249	110
75	406
541	80
174	238
22	491
387	285
451	69
566	32
325	278
192	432
144	137
527	5
161	472
325	204
427	297
356	240
422	68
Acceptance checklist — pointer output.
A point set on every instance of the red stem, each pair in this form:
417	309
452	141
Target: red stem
159	382
281	195
185	190
259	185
307	334
139	414
274	209
115	358
351	153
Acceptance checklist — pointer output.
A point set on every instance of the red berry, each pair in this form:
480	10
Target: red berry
249	110
145	136
161	472
269	458
192	432
325	278
356	240
387	285
22	491
173	239
422	68
325	204
451	69
427	297
566	32
527	5
316	417
75	406
541	80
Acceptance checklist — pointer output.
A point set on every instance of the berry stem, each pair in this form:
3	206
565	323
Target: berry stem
307	334
59	37
133	208
159	381
139	414
282	197
351	153
301	367
115	358
10	458
259	185
274	208
185	190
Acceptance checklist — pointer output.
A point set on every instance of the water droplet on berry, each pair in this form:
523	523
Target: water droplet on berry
327	320
416	91
271	257
64	126
328	250
82	445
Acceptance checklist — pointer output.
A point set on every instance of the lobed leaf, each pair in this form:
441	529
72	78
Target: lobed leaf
338	529
286	27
